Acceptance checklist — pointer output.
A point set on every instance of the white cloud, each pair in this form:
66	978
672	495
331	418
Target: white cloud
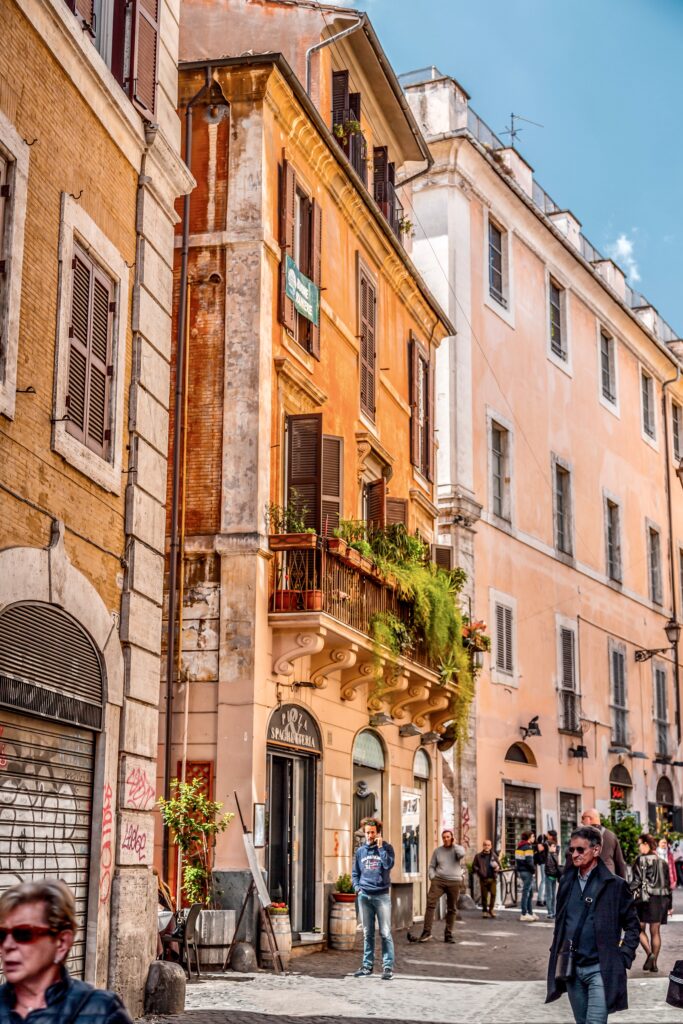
622	252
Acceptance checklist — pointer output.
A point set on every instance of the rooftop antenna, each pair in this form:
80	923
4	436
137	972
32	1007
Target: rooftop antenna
513	131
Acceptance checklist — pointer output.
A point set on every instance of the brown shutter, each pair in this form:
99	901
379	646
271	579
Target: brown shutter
145	54
442	556
376	504
333	485
287	206
430	421
354	105
304	464
316	271
380	162
368	311
99	369
340	96
79	330
414	367
397	511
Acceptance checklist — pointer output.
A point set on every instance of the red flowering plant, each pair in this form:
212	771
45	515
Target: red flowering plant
474	635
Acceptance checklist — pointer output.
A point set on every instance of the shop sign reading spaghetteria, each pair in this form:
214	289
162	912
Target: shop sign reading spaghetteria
295	727
304	294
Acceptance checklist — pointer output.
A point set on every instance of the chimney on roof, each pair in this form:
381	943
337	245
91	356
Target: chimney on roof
439	106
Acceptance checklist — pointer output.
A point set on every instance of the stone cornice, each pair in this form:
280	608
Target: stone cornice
421	499
297	381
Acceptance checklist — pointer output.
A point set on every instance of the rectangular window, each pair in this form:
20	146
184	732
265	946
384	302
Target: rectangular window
618	696
613	540
569	697
496	263
421	409
367	302
301	240
14	163
563	533
654	565
661	711
676	429
647	386
607	368
557	334
504	638
499	471
90	354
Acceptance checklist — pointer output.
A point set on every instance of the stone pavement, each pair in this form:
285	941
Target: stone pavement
493	974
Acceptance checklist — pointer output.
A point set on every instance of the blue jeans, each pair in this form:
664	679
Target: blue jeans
587	996
379	907
550	893
527	882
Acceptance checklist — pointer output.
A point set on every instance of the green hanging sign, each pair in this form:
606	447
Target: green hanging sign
304	294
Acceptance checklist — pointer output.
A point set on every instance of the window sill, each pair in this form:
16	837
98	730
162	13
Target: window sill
564	365
569	732
504	312
86	461
612	407
649	440
500	678
565	557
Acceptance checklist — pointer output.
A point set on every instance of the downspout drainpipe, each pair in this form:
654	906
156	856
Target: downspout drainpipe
360	21
175	493
672	562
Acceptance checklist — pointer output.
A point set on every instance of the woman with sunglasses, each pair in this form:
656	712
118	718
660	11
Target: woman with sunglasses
652	893
37	930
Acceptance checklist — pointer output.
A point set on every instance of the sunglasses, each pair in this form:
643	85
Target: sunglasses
26	933
579	849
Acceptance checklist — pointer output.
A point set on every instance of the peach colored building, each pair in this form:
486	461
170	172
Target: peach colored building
281	696
559	428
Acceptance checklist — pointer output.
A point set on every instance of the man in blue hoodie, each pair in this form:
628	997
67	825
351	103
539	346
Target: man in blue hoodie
372	864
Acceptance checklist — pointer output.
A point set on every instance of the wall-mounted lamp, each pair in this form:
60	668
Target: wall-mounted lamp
578	751
673	634
532	729
409	729
429	737
477	659
381	718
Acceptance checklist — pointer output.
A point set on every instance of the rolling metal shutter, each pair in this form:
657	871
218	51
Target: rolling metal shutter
46	780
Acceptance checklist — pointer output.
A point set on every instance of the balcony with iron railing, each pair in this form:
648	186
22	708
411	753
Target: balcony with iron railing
387	199
347	131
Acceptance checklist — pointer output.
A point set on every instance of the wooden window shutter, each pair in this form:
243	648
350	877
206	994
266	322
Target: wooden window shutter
397	511
375	493
142	83
333	484
442	556
287	209
368	312
380	162
567	642
503	638
340	95
100	365
79	333
354	105
429	427
316	271
414	368
304	465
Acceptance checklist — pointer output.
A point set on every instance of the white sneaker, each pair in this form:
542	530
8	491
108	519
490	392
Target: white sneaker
526	917
532	917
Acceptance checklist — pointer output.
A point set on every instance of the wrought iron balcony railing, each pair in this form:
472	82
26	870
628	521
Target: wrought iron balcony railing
347	131
388	202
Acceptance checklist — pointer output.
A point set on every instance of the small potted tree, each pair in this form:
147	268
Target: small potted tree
194	821
287	525
343	890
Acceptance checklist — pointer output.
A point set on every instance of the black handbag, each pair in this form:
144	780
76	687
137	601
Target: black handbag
674	995
565	965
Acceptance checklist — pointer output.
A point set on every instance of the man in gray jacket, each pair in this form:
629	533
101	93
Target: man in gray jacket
446	875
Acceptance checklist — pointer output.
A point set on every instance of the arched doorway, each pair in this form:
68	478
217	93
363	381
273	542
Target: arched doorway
51	699
368	779
620	787
661	815
294	750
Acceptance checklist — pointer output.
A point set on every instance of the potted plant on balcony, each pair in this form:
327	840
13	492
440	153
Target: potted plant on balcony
336	544
343	129
287	525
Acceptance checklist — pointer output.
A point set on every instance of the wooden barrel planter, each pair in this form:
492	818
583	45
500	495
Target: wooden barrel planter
342	930
283	938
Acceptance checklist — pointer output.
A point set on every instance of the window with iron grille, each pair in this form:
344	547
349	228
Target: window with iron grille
496	263
563	524
661	711
558	342
618	704
654	565
569	695
676	429
647	388
608	377
613	540
500	504
504	646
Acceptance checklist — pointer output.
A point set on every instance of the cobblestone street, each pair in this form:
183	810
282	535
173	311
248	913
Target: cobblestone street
494	973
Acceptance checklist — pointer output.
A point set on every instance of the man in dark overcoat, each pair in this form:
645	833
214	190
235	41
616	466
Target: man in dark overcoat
597	916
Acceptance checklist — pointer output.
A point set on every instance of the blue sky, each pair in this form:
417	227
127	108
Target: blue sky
605	79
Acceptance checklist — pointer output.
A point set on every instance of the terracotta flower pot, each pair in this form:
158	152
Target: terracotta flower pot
353	558
290	541
313	600
337	546
285	600
344	897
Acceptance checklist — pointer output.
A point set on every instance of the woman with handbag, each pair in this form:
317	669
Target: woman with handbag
651	888
37	930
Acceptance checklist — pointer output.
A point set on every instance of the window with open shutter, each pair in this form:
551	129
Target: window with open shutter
340	96
304	466
333	484
90	340
287	218
316	272
375	504
368	314
421	408
145	54
619	709
397	511
442	556
5	195
569	712
504	638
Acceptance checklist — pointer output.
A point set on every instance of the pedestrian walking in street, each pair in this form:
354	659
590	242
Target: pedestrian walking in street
486	866
371	878
651	888
596	934
552	871
678	860
665	852
525	866
446	875
611	854
539	860
37	931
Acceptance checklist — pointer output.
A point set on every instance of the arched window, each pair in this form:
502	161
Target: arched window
665	791
620	785
521	754
421	764
368	778
368	750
